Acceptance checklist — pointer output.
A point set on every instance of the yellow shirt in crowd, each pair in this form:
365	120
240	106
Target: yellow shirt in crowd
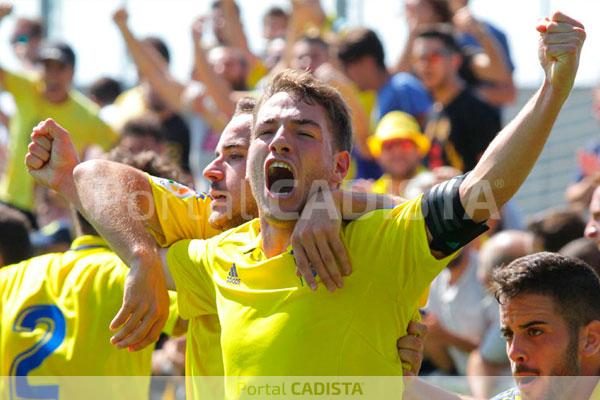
55	311
77	114
274	325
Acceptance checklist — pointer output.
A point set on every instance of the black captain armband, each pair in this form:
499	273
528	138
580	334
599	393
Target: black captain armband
450	227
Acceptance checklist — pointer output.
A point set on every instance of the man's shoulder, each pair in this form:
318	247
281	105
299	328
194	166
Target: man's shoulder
86	105
510	394
404	81
240	236
408	210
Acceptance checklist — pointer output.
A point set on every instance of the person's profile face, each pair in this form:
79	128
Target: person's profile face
232	200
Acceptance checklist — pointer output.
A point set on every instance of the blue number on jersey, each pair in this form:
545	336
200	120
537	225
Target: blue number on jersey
53	321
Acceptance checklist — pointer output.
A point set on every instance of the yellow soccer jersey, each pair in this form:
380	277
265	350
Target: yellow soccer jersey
55	313
183	214
273	324
77	114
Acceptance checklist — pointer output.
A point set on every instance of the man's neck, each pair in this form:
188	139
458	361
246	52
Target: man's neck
448	91
275	236
56	98
381	78
398	185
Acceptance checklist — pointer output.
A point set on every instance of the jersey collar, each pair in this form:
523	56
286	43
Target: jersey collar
88	241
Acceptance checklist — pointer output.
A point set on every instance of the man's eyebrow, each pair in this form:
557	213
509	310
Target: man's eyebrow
296	121
236	145
306	121
532	323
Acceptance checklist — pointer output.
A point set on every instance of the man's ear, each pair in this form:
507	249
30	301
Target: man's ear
457	61
341	167
590	340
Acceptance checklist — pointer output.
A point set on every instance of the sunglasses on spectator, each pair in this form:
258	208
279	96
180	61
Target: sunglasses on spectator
433	57
20	39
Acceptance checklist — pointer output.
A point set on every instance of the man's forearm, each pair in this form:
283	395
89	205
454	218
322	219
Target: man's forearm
496	67
510	157
117	200
216	87
149	64
353	205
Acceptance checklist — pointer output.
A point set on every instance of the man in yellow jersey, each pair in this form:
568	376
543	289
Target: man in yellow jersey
55	309
49	95
176	212
301	134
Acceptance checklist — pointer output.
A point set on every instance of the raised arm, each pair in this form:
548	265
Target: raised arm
216	87
491	64
237	37
149	64
512	154
114	198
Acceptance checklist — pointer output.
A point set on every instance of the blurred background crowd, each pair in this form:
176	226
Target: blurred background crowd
422	117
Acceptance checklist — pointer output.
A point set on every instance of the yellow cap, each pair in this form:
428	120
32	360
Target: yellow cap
398	125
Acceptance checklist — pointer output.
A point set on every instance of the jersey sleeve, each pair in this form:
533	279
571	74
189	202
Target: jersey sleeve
405	240
393	245
182	213
187	262
103	135
19	86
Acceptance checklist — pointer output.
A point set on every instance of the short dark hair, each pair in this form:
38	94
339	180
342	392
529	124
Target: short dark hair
359	43
150	162
160	46
571	283
144	125
277	12
445	33
557	227
15	245
105	90
245	105
304	87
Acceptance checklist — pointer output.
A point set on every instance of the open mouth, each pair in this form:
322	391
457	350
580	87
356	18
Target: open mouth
280	178
218	196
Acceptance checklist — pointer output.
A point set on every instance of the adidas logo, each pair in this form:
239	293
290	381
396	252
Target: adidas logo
232	276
